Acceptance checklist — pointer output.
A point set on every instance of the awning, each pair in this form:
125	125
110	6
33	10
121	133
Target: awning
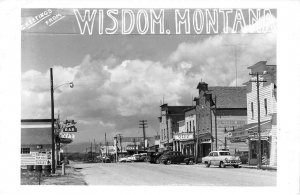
250	130
187	142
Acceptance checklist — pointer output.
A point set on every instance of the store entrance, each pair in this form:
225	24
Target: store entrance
206	147
265	152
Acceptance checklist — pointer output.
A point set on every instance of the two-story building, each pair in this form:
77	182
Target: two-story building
184	140
219	110
168	124
268	114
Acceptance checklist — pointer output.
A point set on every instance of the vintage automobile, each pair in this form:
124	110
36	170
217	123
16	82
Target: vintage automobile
155	157
126	159
221	159
173	157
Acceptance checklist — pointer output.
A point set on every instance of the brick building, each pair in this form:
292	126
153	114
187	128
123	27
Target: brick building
219	109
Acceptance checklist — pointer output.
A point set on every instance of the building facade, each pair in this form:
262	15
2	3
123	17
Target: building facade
219	110
168	124
267	90
268	113
184	140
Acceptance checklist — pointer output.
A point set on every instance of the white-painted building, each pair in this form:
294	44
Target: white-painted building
268	113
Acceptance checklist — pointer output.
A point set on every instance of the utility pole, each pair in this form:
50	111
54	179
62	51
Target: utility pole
105	145
52	121
121	143
143	124
258	116
91	150
225	131
134	145
216	128
211	133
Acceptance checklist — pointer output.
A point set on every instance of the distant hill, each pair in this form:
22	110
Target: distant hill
79	147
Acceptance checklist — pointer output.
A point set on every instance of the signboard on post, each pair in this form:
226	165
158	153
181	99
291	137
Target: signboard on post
70	126
36	158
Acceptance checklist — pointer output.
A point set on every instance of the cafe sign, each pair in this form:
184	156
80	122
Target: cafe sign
184	136
69	126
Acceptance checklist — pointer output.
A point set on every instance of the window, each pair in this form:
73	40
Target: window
211	154
252	111
190	126
266	107
224	153
25	150
164	134
187	126
193	126
215	154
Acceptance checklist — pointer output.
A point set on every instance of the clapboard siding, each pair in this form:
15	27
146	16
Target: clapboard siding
264	92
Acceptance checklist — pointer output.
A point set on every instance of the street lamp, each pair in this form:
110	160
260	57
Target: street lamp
71	84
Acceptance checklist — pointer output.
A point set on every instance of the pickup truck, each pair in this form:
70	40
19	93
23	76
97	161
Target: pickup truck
221	159
173	157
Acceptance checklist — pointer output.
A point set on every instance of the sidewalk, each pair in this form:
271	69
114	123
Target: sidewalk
263	167
71	177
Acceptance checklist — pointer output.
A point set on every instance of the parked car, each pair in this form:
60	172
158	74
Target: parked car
221	159
143	157
173	157
155	157
105	159
126	159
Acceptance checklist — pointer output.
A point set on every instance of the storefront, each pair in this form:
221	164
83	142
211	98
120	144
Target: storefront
185	143
204	145
249	134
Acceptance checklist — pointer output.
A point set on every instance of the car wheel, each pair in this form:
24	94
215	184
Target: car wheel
191	161
222	165
168	162
207	164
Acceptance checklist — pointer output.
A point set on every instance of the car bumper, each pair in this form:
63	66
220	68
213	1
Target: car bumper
232	163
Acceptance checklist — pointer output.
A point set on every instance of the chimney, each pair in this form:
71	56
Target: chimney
202	86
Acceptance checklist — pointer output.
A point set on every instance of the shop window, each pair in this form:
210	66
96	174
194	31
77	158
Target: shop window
25	150
266	107
193	126
187	126
253	150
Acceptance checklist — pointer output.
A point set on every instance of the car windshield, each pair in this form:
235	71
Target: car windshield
224	153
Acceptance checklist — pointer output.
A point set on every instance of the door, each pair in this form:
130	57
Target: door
216	158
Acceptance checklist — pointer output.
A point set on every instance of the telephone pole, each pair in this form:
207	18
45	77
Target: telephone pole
105	145
52	122
143	124
257	81
216	128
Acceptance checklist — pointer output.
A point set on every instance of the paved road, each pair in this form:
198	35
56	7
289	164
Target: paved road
159	174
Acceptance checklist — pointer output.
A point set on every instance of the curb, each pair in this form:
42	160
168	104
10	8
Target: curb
263	168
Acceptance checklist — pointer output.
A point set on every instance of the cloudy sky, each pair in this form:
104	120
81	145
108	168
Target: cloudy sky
121	79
